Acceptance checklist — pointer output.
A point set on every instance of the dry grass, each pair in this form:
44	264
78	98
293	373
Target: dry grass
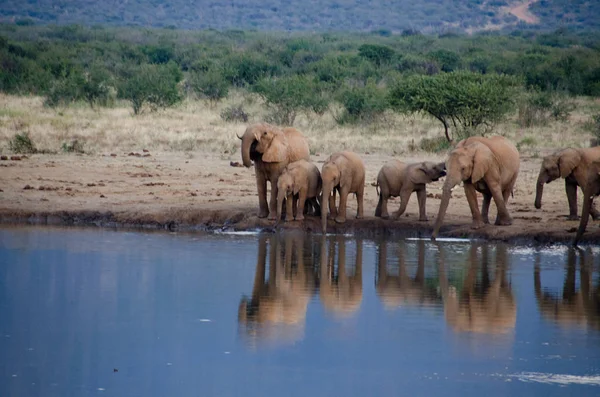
194	126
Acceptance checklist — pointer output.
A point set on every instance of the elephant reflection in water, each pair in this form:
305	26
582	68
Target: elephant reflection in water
276	310
483	305
578	307
340	290
396	290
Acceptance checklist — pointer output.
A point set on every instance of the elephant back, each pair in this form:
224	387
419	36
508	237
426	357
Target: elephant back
297	145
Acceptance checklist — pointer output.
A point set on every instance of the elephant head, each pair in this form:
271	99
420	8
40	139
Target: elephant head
591	189
467	163
556	165
263	142
428	171
330	174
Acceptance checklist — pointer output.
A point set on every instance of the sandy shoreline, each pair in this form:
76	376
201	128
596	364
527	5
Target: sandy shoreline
204	192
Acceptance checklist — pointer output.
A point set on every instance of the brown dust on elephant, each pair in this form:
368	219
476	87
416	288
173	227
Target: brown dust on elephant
591	190
572	165
340	287
397	178
299	183
574	306
398	288
276	310
486	165
485	304
343	172
271	149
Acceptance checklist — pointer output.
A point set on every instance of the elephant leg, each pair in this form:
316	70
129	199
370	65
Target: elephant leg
503	217
301	201
485	207
422	200
273	202
261	187
404	197
359	201
341	216
289	208
471	194
571	190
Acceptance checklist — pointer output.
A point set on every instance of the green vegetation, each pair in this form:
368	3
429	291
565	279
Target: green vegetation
468	83
22	144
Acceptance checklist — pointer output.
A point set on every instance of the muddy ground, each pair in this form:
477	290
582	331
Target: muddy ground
178	191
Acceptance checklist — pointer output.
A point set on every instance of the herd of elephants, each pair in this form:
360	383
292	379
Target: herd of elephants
486	165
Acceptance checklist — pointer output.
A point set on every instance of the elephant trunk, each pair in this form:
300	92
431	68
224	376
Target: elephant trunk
539	191
585	214
446	193
327	190
248	140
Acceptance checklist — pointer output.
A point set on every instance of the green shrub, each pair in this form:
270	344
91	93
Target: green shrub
153	85
286	96
21	143
378	54
65	91
538	107
210	85
362	103
73	146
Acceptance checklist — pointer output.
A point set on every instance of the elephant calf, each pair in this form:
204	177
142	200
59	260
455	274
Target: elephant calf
400	179
300	179
572	165
344	172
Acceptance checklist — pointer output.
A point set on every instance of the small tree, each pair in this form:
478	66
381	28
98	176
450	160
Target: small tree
465	100
287	96
96	86
378	54
155	85
210	84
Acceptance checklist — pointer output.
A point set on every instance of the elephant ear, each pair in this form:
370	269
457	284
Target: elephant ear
277	150
482	160
567	162
420	175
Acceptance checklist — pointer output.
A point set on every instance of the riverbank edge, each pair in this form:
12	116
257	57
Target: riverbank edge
219	221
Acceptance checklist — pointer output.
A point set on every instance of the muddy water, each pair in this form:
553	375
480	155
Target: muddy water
95	312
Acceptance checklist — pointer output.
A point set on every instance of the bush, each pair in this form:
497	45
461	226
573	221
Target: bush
21	143
378	54
65	91
593	125
234	113
210	85
538	107
73	146
154	85
286	96
362	104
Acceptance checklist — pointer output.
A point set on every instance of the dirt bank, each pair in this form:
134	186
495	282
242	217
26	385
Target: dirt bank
175	191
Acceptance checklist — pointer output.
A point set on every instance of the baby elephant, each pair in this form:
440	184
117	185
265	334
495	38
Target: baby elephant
300	181
400	179
343	172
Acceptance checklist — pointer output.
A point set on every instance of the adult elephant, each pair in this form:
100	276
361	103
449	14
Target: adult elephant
572	165
486	165
592	189
271	149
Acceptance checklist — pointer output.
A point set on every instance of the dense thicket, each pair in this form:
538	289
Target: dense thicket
429	16
293	72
